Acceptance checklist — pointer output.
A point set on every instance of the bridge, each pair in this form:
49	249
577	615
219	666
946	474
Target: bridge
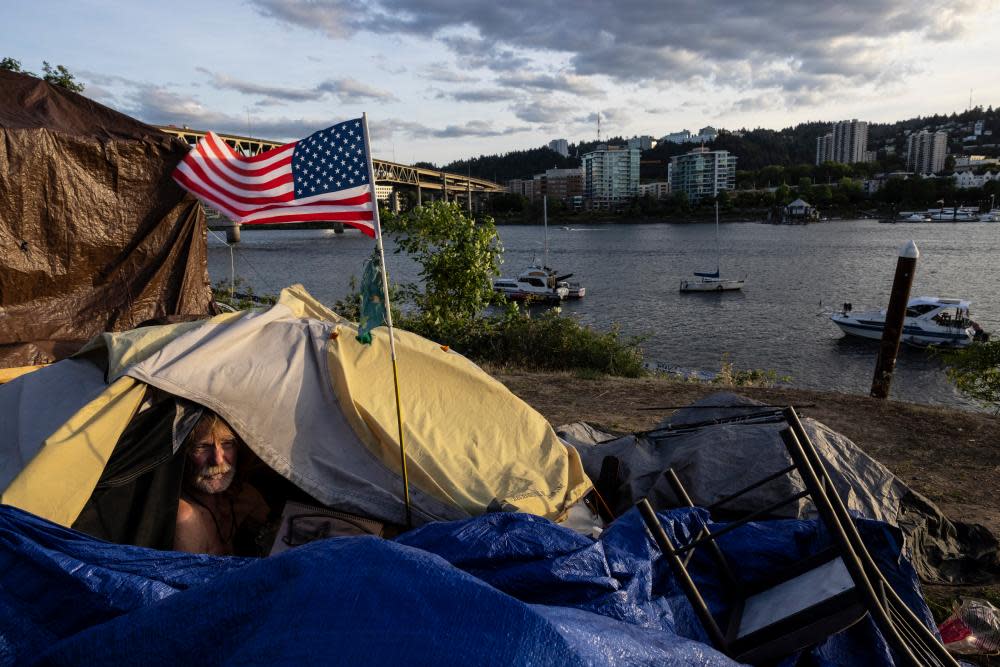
425	183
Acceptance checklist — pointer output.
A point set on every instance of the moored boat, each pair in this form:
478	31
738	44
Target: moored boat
533	284
711	281
929	320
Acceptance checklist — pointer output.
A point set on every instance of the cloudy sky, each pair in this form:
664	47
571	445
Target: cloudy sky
447	79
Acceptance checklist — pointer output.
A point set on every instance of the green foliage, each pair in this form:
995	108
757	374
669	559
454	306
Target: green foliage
12	65
551	341
57	75
240	296
515	164
730	376
61	76
458	255
975	370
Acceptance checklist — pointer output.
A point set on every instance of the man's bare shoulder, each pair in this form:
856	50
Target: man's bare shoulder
193	530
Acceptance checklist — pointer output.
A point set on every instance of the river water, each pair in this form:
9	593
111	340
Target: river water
631	272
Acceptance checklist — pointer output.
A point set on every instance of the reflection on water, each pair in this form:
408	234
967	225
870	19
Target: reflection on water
795	274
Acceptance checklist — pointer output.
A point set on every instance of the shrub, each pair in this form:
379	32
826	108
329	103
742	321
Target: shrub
975	371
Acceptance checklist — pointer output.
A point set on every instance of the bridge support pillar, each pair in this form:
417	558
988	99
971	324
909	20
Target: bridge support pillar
338	228
420	201
233	234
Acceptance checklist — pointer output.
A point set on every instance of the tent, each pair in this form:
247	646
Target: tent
94	234
92	441
717	448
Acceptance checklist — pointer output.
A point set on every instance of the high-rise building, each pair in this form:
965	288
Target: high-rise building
926	151
824	148
643	143
560	146
847	143
702	173
677	137
560	183
850	141
707	133
611	176
522	186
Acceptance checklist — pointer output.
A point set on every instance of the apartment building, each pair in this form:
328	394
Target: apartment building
702	173
611	176
926	151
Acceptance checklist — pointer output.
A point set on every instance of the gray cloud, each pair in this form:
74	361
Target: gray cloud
350	90
473	128
489	95
335	18
808	45
544	110
551	82
445	73
347	90
273	92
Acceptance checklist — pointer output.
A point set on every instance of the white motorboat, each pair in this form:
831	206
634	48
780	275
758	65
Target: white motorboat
532	288
916	217
540	282
706	281
956	214
991	216
929	320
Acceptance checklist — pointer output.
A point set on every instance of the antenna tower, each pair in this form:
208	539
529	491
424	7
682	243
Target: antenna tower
598	127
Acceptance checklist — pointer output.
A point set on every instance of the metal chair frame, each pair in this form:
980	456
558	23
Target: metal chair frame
913	642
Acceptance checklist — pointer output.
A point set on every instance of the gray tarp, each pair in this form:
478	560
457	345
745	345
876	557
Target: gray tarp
713	461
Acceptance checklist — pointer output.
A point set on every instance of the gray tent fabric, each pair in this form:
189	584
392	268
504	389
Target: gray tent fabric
715	460
279	399
32	408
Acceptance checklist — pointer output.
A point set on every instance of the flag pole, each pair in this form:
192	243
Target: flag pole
388	319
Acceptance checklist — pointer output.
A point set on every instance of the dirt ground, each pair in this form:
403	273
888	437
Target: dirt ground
951	456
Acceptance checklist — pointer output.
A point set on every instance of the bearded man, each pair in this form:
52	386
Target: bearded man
215	506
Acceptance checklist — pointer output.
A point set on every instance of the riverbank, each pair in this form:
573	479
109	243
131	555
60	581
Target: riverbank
951	456
697	215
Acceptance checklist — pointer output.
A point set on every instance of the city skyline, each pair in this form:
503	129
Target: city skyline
443	82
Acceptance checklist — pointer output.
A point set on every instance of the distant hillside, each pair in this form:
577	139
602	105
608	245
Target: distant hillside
755	148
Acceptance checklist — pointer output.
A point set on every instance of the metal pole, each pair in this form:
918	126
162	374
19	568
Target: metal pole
388	319
895	315
545	227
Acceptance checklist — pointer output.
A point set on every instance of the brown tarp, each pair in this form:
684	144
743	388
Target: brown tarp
94	234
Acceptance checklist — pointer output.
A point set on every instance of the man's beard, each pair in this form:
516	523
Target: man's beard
214	479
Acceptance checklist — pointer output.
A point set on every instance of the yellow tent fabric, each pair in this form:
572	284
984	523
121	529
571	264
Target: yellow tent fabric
57	482
469	440
472	445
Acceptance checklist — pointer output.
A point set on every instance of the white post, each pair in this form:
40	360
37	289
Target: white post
388	317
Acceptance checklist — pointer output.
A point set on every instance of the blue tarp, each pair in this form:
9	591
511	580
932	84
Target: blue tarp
503	589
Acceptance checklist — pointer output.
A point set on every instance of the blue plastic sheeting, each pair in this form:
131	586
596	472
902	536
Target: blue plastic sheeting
501	589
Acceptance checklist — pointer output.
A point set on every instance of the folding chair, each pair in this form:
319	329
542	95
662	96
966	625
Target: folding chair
814	598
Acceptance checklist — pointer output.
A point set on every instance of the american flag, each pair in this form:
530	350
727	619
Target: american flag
323	177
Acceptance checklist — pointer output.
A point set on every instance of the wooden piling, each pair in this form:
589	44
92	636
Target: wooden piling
895	315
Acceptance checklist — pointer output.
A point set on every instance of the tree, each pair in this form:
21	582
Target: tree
57	75
12	65
783	194
724	199
458	259
975	370
61	76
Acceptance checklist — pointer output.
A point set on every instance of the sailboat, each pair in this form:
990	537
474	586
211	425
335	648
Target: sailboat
712	282
539	282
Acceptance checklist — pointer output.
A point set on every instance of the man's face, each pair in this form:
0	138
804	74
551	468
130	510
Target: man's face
211	455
